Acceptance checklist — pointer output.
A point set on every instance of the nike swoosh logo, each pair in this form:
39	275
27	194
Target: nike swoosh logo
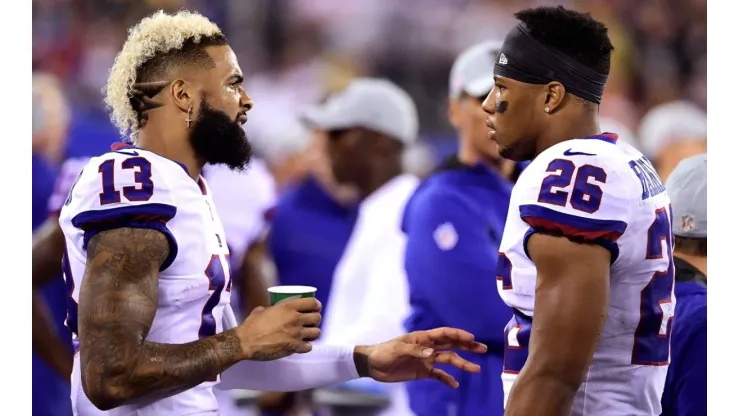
570	152
128	152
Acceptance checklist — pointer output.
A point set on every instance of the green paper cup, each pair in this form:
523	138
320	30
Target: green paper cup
281	293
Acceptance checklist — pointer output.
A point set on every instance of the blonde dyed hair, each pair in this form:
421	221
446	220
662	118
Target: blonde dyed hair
154	35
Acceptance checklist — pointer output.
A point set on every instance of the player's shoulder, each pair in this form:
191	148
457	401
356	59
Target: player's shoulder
592	177
133	164
127	151
604	150
124	177
599	156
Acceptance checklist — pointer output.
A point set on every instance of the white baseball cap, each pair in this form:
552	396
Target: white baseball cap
671	122
472	72
687	188
373	103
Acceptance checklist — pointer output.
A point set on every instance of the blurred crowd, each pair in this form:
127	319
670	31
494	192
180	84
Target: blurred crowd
294	53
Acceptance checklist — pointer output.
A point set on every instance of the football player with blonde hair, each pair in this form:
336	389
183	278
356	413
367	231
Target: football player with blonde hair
146	260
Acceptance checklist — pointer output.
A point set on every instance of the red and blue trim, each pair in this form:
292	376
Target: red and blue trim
126	145
589	230
122	146
605	137
145	216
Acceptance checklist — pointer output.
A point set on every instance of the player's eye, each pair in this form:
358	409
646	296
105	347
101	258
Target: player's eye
500	87
236	84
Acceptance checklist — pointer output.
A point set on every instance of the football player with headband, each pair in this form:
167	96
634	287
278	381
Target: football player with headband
585	261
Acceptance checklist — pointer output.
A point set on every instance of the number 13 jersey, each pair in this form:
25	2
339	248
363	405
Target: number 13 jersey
135	188
597	191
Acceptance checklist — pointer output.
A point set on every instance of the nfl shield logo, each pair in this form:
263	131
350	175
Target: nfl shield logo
445	236
687	223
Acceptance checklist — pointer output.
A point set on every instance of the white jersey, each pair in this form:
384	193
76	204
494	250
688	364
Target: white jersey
595	190
132	187
242	199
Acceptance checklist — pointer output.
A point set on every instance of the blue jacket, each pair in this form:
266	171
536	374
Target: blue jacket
309	231
454	223
685	391
90	134
50	393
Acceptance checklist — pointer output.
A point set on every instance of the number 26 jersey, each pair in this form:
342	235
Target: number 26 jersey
132	187
599	191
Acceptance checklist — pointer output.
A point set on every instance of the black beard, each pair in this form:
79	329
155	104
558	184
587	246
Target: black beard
219	140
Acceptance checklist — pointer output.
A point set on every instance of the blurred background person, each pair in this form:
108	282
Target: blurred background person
297	51
672	132
454	223
52	355
368	124
685	391
312	222
309	225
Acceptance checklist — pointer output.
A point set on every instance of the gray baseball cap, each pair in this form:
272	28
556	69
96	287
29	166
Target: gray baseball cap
373	103
472	72
687	188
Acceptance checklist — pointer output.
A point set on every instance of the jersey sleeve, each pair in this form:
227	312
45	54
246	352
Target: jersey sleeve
122	191
68	174
580	196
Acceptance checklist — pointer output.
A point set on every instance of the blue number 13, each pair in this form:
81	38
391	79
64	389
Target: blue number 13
143	190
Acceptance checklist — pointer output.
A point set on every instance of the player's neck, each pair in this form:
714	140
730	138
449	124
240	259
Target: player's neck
345	195
567	128
697	261
163	143
376	180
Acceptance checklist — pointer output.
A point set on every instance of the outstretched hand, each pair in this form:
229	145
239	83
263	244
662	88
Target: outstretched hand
413	356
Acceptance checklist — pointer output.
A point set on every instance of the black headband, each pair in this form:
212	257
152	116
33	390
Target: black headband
525	59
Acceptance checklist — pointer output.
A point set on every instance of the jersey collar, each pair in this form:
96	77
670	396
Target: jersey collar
606	137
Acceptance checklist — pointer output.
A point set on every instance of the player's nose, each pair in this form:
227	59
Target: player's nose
488	104
246	101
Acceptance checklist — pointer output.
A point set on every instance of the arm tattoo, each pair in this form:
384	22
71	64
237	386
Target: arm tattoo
118	300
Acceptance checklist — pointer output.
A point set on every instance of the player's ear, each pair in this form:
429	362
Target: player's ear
182	94
555	97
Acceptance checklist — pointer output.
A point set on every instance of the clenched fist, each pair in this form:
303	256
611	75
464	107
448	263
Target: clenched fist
278	331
